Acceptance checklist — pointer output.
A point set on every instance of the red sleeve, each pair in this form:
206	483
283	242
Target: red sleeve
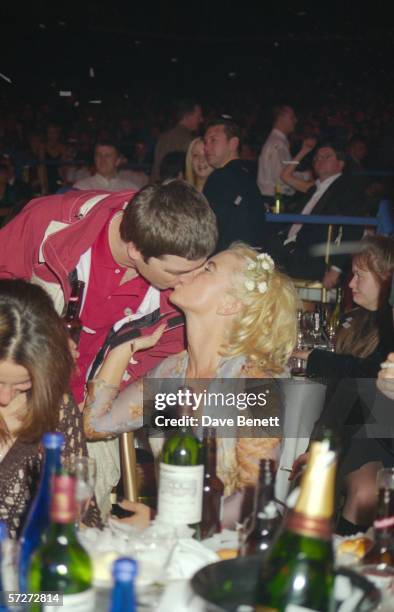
171	342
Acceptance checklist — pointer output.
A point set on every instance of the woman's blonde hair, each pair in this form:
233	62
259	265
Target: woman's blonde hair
266	329
190	175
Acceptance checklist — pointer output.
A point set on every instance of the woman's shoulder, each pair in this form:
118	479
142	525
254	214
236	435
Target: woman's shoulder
173	366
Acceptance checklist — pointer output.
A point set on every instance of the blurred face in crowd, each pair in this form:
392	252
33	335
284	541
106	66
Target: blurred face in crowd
193	120
219	149
287	120
207	291
358	150
200	166
365	288
106	160
14	380
326	163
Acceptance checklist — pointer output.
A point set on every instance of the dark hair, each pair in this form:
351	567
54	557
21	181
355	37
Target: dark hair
278	110
185	107
32	335
338	150
106	142
231	128
170	219
172	164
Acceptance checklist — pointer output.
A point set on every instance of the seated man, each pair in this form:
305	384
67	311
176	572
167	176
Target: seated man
334	193
106	159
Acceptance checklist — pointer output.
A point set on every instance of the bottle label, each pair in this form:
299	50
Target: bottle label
77	602
384	523
180	493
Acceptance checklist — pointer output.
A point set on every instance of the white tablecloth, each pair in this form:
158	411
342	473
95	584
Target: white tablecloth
303	404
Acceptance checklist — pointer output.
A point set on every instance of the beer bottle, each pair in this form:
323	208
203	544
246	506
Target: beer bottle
71	319
213	489
382	551
278	207
297	572
266	518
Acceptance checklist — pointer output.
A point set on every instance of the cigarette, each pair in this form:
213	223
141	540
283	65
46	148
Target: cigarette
290	163
387	364
284	469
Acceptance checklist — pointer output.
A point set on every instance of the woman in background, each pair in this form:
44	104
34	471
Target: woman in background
364	340
197	167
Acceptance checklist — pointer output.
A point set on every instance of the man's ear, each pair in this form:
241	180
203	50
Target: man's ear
234	144
229	305
133	252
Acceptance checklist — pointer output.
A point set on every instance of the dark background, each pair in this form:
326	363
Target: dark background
299	51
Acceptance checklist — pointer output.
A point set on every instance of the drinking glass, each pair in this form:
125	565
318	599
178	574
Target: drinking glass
84	470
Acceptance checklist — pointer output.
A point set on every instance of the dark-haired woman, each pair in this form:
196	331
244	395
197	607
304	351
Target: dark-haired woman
364	340
35	368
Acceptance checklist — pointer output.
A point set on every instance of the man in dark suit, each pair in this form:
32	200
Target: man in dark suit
231	190
334	193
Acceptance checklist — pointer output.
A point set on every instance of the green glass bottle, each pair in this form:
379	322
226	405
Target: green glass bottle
278	206
60	563
297	574
181	479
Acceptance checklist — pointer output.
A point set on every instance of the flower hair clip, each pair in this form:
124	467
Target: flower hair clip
263	263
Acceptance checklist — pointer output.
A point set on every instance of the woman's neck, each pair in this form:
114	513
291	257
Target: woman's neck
204	341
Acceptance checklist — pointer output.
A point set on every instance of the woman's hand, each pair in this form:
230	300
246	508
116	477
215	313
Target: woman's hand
145	342
298	465
141	517
386	377
300	354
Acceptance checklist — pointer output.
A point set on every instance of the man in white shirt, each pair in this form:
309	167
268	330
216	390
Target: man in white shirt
275	152
106	159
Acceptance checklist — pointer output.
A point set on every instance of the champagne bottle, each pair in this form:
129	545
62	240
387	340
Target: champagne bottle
123	597
38	518
60	563
181	479
278	207
213	489
382	551
71	319
266	518
297	573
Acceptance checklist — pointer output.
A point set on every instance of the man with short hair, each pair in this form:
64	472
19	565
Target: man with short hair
230	189
106	160
128	249
189	118
275	152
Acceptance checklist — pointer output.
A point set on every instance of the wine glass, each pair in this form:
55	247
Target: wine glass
84	469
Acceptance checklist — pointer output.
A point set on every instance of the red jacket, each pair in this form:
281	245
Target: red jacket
47	240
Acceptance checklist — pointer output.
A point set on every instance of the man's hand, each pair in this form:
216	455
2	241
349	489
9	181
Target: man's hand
141	517
331	278
298	465
386	377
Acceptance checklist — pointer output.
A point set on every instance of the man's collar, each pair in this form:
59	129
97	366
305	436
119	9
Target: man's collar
328	180
280	134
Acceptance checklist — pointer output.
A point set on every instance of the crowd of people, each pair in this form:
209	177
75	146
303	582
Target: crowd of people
157	222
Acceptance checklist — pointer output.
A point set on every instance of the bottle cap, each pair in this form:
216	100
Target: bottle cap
124	569
3	531
53	440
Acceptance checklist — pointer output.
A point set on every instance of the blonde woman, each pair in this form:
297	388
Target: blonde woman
197	167
241	323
